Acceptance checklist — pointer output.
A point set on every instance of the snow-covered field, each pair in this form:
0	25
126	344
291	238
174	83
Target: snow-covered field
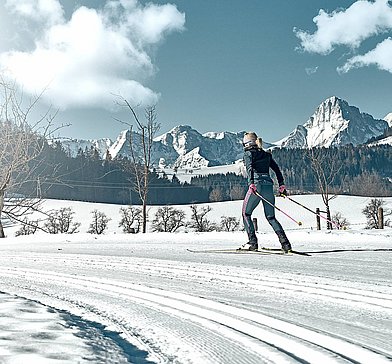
144	298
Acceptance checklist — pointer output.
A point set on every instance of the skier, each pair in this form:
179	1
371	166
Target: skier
257	163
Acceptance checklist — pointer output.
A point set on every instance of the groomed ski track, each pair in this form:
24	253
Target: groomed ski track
222	311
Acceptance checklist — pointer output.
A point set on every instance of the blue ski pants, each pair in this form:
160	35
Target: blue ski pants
251	201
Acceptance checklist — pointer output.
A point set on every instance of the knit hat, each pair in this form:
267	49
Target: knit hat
249	139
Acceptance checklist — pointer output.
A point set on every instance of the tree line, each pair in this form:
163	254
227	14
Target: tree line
86	177
360	170
356	170
172	219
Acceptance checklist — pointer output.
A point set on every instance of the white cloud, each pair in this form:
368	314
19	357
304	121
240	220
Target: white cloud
349	27
311	70
86	59
381	56
49	11
148	24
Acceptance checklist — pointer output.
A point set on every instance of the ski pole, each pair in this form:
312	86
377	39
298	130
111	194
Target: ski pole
277	208
314	212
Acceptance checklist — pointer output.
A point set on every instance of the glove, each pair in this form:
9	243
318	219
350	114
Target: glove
252	188
282	190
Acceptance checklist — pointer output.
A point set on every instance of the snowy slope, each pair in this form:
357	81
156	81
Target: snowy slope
180	307
72	146
383	141
186	173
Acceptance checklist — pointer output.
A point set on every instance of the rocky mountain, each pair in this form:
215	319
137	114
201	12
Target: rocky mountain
334	123
185	147
388	119
192	149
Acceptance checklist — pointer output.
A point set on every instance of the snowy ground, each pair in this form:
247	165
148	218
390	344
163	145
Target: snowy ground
145	299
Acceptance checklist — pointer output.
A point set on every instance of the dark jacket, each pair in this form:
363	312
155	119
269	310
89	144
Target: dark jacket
258	162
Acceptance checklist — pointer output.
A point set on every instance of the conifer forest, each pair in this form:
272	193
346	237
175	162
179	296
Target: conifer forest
360	170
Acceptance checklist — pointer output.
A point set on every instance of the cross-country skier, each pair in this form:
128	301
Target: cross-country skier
257	163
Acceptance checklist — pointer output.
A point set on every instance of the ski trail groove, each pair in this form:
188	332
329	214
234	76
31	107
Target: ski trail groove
252	354
299	343
171	270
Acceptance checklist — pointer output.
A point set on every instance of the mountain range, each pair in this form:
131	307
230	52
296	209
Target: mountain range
334	123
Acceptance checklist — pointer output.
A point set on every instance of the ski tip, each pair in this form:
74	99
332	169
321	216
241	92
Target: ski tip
300	253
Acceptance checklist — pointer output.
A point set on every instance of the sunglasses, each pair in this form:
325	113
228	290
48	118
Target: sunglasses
248	143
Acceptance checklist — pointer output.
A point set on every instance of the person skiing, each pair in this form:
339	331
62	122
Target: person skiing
257	163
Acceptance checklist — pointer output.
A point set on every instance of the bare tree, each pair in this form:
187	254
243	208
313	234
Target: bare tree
130	219
340	221
199	220
61	221
229	223
28	227
326	168
22	140
141	155
168	219
372	215
99	223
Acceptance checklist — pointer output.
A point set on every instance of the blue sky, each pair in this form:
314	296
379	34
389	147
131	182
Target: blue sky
213	64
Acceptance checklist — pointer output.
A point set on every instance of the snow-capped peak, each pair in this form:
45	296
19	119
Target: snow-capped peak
388	119
334	123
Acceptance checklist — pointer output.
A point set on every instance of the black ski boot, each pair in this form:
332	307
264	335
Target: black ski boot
284	242
251	244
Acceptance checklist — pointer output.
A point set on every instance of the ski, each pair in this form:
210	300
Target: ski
277	249
237	251
261	251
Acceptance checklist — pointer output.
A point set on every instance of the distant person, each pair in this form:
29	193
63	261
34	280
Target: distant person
257	163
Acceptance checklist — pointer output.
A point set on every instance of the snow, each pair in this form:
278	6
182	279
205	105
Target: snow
72	146
185	174
388	119
384	141
118	144
34	333
334	123
191	159
144	298
214	135
326	124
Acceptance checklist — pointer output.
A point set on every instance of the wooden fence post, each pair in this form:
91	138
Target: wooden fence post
318	218
380	218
